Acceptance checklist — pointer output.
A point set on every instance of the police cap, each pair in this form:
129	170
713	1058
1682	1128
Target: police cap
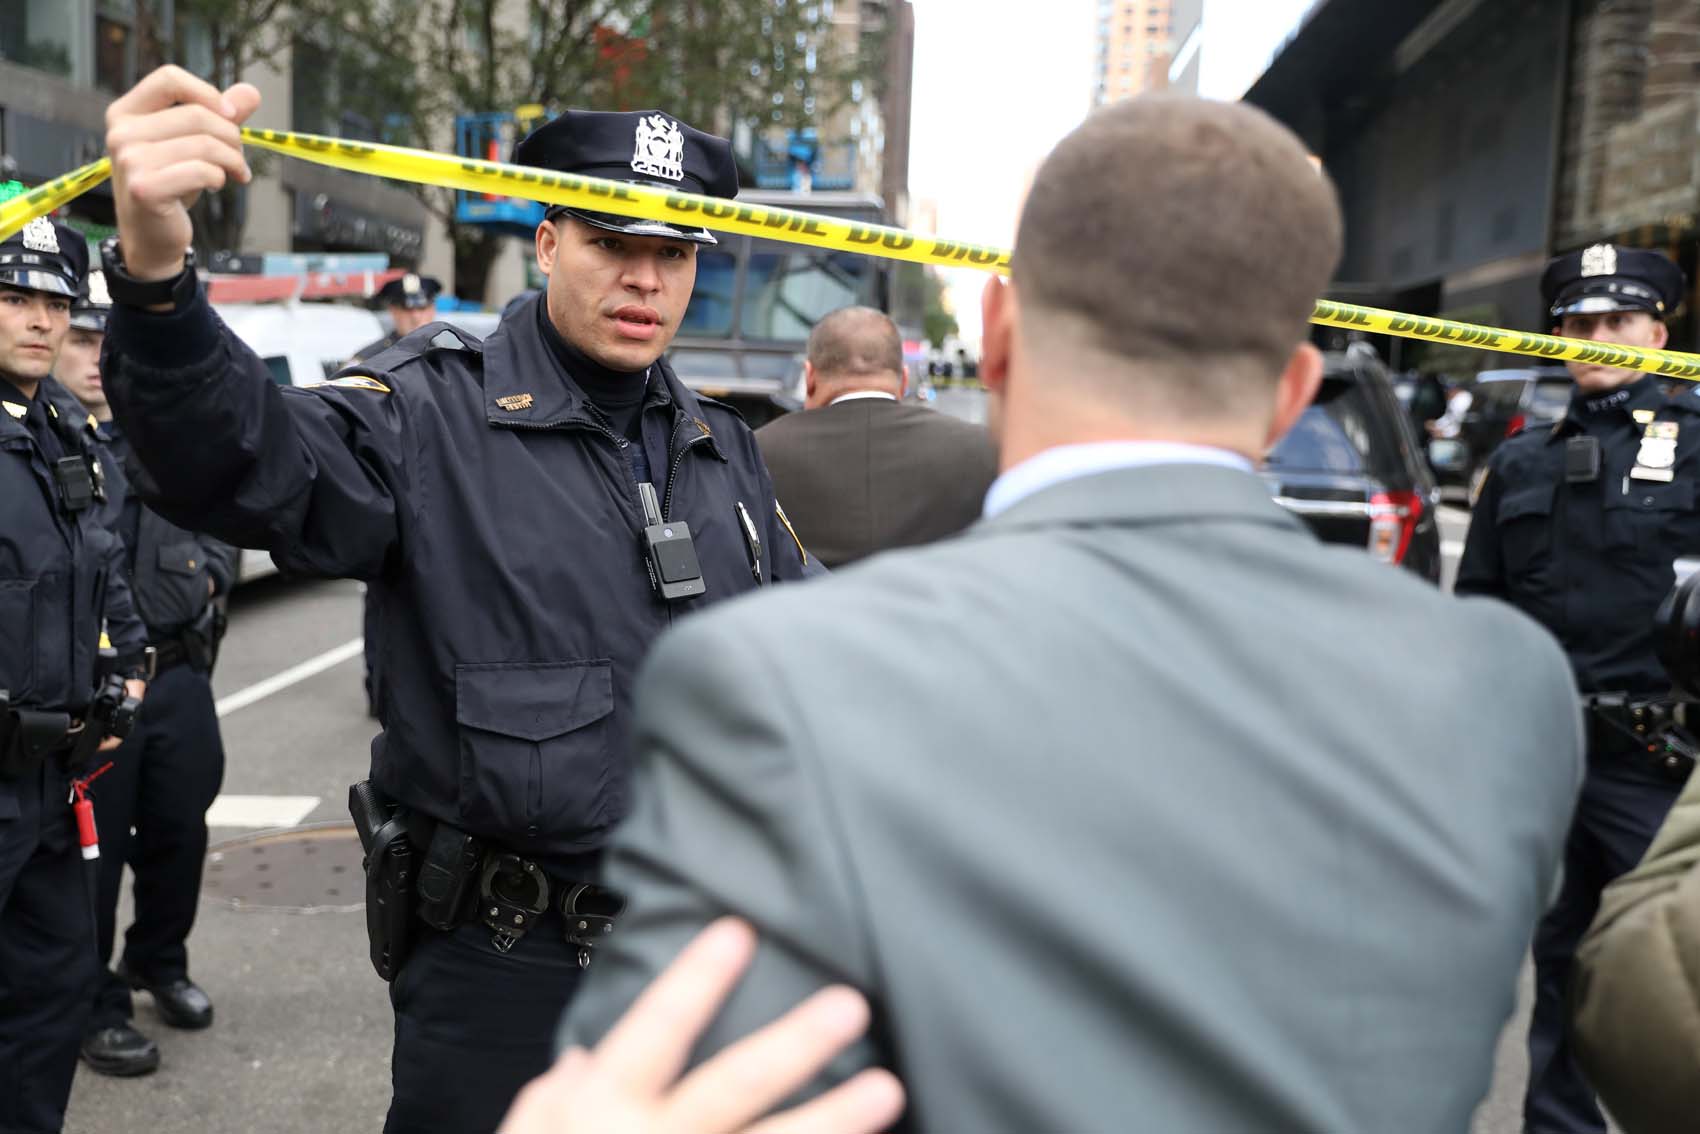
1611	277
410	290
645	146
45	255
93	303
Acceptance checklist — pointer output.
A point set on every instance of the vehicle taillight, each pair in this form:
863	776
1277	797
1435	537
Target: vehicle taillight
1393	519
1517	422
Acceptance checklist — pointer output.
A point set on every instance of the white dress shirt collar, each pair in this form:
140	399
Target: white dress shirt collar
855	395
1069	462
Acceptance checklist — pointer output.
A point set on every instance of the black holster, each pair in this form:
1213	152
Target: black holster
28	736
389	877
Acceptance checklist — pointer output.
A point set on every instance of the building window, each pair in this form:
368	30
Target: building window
114	54
37	34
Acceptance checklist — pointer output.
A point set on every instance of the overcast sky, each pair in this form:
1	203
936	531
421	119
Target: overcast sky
996	86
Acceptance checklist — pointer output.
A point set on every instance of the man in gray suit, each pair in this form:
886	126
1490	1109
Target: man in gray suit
1161	815
860	470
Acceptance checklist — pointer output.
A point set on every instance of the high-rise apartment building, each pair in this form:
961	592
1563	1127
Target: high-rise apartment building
1146	45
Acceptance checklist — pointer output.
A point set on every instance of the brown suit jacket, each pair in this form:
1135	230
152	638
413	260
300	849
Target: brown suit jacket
871	474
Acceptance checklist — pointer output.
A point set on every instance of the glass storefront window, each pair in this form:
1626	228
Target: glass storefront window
37	33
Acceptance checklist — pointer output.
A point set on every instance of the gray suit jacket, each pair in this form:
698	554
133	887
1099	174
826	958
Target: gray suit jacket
1135	808
870	475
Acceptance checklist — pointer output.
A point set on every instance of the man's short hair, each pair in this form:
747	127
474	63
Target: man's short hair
856	342
1186	238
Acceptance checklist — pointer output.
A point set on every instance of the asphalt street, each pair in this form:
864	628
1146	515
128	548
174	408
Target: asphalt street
301	1038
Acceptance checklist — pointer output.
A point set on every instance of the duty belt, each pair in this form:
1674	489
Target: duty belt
509	892
1654	726
29	736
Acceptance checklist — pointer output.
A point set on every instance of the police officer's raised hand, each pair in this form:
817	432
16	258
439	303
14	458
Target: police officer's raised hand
172	137
630	1084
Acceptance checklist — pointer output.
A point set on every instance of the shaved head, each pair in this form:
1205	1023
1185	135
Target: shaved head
1178	245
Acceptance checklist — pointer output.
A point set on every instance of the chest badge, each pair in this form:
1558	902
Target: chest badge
1657	455
515	402
1642	416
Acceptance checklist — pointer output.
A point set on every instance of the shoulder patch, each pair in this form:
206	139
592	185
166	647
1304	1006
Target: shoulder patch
354	382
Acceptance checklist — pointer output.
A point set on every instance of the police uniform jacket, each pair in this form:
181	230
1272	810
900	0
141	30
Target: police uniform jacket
498	519
62	576
1591	559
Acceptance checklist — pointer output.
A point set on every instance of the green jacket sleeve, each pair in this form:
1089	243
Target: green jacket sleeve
1636	996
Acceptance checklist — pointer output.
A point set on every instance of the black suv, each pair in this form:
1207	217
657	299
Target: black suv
1501	403
1352	468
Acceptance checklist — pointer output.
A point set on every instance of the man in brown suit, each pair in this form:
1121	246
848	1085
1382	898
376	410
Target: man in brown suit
859	470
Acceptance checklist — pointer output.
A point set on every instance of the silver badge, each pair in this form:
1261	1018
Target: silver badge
40	237
98	295
1599	260
659	149
410	284
1656	453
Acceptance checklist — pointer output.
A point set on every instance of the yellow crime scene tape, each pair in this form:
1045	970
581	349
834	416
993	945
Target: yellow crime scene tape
473	175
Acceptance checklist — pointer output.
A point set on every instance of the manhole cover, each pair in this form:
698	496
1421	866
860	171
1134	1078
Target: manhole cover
312	869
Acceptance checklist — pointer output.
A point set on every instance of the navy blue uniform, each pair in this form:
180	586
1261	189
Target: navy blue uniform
496	517
61	582
1591	560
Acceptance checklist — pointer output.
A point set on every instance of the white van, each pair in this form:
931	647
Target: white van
301	344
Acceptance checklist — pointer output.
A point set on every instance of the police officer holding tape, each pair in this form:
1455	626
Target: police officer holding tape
1579	525
63	697
166	776
530	512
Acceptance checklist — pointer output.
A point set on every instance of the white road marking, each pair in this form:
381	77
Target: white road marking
260	811
295	674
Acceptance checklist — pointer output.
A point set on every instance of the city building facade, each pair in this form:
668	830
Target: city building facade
1146	45
1473	140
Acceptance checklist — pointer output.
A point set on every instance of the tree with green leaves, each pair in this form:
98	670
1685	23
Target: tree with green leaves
718	64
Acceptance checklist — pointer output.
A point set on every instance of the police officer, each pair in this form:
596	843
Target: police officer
530	513
166	775
61	582
411	301
1578	525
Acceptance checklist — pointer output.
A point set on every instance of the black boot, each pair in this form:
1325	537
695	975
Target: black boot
180	1001
120	1051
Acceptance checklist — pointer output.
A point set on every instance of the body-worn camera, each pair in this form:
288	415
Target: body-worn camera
674	570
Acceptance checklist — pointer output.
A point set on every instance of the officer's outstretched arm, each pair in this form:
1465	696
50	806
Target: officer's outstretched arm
1479	569
309	475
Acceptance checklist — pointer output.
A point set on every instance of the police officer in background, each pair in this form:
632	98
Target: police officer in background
61	584
166	775
411	300
1578	525
531	512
